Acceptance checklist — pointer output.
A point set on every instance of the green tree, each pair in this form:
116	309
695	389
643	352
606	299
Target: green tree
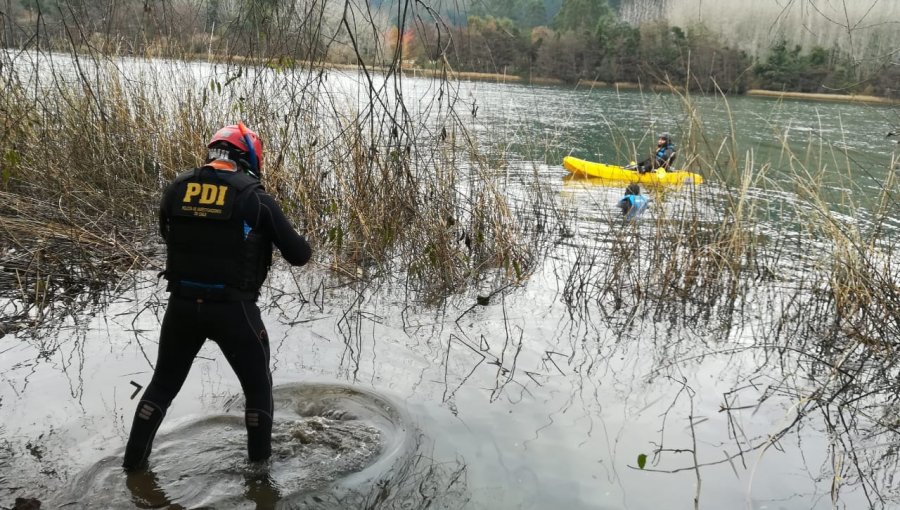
40	5
711	64
524	13
212	14
610	30
558	55
619	44
662	51
490	45
534	14
582	15
779	71
887	80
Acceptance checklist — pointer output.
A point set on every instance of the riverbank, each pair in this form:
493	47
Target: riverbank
656	87
407	70
813	96
420	72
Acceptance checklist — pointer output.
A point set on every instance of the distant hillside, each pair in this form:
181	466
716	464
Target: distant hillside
863	29
527	13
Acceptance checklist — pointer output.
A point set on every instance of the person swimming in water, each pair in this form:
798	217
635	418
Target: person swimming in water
633	203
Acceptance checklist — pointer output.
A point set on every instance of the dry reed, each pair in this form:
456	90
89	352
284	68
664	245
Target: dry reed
87	159
816	300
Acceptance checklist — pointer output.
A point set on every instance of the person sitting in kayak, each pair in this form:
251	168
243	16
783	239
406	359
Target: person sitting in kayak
633	203
664	156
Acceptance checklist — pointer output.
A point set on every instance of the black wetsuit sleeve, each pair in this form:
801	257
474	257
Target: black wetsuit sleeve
293	246
163	217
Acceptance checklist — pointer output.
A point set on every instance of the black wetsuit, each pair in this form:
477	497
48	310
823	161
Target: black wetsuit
221	308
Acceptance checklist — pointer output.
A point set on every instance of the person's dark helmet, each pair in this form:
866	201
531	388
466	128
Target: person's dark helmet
239	144
633	189
665	136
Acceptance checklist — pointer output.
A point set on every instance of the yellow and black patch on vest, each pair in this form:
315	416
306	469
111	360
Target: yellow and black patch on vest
204	200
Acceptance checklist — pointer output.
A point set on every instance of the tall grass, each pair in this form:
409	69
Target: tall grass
378	192
815	300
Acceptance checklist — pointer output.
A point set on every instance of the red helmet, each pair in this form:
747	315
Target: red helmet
238	136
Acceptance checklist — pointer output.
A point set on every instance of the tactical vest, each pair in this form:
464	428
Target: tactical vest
636	205
661	159
212	252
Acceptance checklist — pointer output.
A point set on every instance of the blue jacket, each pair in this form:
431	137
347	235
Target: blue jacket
665	156
633	205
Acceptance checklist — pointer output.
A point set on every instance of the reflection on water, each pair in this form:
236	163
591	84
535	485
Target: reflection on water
527	401
146	491
260	490
333	447
524	402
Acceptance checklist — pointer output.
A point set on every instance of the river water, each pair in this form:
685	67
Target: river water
527	401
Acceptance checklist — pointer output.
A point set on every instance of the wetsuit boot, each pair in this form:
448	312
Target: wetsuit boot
259	434
147	419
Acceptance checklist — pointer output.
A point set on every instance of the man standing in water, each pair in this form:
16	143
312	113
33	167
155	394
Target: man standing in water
219	225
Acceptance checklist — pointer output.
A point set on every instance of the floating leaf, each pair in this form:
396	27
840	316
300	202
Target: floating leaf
642	460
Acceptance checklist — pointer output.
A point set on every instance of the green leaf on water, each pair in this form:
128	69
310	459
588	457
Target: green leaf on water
642	460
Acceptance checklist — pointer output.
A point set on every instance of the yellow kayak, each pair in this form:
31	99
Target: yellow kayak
618	173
